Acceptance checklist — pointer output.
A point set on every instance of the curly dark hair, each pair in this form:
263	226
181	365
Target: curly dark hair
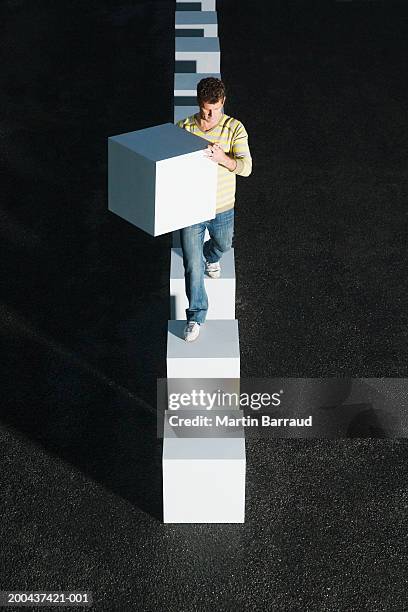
210	90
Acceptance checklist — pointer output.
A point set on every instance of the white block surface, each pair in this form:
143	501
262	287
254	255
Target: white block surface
220	291
203	479
185	83
206	5
205	51
197	20
215	353
152	178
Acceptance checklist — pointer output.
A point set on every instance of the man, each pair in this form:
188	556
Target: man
229	149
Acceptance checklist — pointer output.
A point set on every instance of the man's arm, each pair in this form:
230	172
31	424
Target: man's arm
240	152
230	163
239	160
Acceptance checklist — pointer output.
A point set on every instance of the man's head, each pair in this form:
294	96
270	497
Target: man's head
211	98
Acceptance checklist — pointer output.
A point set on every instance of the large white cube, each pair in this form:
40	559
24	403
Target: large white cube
204	51
197	20
220	291
153	175
215	353
203	479
203	5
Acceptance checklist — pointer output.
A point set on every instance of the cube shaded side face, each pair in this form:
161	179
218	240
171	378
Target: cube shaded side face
131	186
186	191
203	491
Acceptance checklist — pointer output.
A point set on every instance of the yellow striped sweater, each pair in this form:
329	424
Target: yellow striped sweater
232	137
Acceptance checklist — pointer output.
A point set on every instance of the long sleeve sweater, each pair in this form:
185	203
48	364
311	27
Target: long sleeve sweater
232	137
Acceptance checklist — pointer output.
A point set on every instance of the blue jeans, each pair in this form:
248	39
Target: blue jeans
196	252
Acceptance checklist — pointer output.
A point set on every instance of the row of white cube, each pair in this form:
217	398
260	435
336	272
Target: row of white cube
146	171
203	479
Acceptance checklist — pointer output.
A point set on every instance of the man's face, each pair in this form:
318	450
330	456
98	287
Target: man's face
211	113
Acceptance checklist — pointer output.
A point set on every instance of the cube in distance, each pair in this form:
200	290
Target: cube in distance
160	180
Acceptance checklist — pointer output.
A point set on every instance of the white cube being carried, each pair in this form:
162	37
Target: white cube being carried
160	180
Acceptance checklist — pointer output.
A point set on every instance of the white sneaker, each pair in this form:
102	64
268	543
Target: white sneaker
213	269
191	331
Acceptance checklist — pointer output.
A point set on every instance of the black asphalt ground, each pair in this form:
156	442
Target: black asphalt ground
321	260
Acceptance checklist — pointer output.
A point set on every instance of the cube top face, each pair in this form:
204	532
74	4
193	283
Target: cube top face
188	81
161	142
198	45
195	17
218	340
